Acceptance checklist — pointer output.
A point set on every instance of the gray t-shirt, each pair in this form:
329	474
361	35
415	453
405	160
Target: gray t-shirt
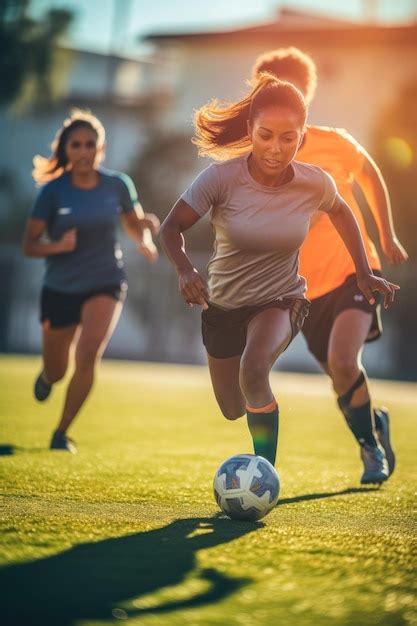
258	229
96	261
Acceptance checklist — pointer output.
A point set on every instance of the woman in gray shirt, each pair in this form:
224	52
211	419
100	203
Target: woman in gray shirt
261	203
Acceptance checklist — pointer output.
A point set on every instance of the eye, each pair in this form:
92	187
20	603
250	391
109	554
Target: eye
91	144
75	144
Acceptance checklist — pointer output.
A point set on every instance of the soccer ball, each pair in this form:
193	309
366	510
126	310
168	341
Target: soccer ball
246	487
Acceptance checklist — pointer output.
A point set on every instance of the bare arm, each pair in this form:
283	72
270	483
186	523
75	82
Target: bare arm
376	193
346	225
192	286
35	243
140	227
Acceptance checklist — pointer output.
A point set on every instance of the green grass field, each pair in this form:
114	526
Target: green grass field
128	530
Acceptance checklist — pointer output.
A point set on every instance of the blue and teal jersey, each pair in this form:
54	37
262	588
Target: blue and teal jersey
97	260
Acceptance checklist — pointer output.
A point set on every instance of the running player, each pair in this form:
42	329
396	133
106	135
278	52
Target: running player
261	203
340	319
73	225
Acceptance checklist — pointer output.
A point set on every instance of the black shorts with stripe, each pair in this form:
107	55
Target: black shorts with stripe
324	311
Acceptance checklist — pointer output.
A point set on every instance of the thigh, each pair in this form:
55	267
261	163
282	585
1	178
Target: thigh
348	334
268	334
56	344
99	316
224	375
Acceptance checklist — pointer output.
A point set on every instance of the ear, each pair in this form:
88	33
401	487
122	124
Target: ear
101	153
249	128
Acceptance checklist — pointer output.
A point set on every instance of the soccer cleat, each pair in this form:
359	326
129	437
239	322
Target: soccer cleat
60	441
375	465
41	389
383	434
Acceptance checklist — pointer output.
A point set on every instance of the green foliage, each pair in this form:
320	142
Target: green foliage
129	528
27	50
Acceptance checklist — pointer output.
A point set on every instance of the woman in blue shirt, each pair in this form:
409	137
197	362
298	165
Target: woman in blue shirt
73	225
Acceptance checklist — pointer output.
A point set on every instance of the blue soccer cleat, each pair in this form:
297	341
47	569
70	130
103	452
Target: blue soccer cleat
375	465
42	389
383	434
60	441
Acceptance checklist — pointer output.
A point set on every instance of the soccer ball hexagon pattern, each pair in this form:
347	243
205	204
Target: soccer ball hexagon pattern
246	487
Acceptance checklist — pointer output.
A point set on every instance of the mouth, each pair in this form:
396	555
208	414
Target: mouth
272	162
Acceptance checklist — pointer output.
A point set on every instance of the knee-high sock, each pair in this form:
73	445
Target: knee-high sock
358	418
263	426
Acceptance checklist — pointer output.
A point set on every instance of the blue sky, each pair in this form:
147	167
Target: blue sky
102	24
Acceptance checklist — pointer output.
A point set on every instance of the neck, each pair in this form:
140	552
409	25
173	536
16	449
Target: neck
273	180
84	180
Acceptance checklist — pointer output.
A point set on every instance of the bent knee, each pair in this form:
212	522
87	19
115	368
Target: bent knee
343	366
232	413
87	353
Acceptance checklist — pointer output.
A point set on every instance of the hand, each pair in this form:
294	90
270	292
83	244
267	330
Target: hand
148	249
150	221
394	251
68	241
193	288
369	283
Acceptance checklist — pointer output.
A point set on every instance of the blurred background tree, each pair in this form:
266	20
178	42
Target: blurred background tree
27	50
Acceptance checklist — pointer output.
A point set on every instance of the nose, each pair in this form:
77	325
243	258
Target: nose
276	146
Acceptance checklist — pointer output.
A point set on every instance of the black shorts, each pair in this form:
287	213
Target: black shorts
324	311
60	309
224	331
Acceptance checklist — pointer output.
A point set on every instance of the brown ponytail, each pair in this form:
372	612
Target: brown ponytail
221	129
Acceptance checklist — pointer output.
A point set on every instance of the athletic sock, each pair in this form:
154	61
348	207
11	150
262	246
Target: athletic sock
358	418
263	426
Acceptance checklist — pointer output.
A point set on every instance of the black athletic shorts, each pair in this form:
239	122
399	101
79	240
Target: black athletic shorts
60	309
224	331
324	311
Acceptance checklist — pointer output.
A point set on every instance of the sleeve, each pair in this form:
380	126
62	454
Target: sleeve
44	206
329	193
203	193
352	151
129	195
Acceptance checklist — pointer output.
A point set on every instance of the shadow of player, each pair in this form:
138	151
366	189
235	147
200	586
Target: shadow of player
90	581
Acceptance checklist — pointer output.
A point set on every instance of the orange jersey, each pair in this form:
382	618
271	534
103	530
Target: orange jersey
324	259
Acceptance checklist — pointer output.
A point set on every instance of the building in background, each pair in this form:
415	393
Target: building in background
146	106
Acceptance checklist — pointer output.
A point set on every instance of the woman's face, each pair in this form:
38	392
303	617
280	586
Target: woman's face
276	133
82	152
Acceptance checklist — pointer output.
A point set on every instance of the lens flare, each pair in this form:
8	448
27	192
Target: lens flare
399	152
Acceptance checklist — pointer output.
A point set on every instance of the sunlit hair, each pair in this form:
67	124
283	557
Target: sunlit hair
49	168
221	128
289	64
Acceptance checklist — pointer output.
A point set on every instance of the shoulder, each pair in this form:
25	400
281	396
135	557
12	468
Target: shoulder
313	175
113	177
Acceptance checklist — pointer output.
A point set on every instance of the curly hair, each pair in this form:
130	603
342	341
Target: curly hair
289	64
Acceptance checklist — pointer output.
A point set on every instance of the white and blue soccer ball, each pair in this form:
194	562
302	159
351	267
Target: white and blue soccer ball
246	487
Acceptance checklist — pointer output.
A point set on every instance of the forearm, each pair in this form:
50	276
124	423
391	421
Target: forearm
173	243
41	248
346	225
377	197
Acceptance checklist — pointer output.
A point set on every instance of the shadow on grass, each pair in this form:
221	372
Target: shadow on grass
7	449
92	581
326	494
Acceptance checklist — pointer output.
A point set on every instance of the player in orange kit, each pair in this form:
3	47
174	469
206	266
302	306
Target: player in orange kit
341	320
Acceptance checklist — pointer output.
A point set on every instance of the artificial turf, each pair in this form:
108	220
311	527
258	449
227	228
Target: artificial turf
128	530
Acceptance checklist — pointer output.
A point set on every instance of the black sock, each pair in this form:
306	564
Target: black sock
359	420
264	430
